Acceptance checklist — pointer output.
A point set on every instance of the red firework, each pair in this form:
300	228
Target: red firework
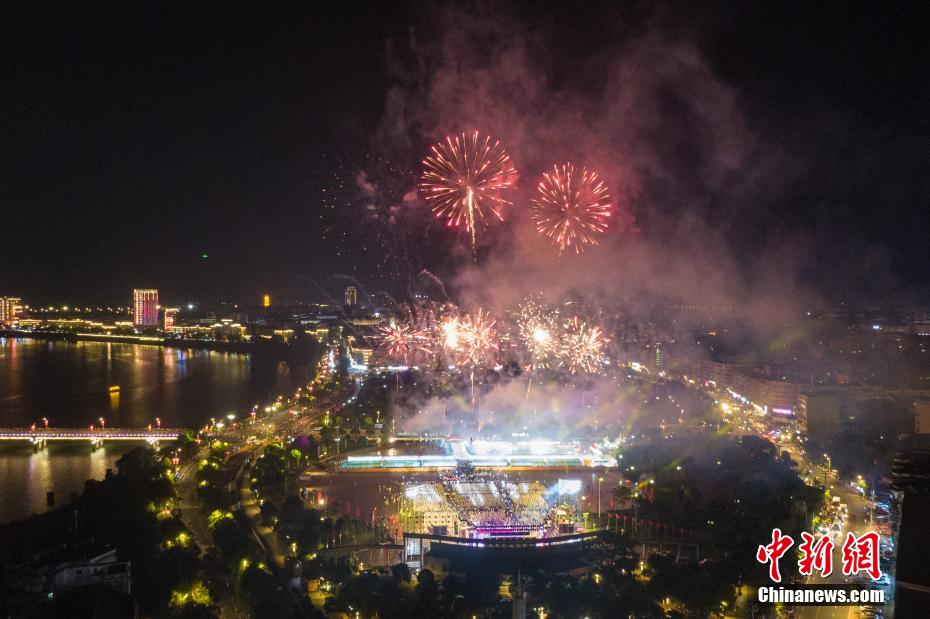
465	179
571	207
402	340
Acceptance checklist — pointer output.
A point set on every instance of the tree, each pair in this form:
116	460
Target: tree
292	512
197	611
426	584
400	572
232	540
622	494
268	598
269	513
343	363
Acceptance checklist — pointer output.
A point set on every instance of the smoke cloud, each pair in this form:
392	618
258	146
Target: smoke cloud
688	172
524	405
684	166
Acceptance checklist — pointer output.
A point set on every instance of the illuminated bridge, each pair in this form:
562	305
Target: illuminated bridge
95	436
448	462
560	553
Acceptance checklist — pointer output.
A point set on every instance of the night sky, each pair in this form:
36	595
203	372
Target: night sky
137	137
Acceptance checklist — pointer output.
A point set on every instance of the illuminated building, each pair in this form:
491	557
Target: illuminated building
321	334
768	393
922	417
171	317
909	478
818	413
284	334
229	331
351	296
10	308
361	356
266	300
145	307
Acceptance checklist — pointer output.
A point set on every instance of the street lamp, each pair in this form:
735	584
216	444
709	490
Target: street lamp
103	423
45	421
158	422
599	480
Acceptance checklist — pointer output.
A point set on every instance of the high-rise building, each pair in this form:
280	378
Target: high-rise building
818	413
145	307
351	296
10	308
922	417
171	317
912	581
266	300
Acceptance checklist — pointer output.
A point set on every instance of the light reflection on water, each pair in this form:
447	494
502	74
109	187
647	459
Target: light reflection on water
69	384
26	477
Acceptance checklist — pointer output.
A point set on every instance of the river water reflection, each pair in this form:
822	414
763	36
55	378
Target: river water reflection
69	383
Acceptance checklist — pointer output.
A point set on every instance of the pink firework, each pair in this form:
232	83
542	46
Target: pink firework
465	179
571	207
401	340
479	338
582	347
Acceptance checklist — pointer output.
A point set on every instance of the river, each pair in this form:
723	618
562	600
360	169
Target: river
68	383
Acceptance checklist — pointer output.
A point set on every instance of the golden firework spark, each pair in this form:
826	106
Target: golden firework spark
538	327
582	347
465	179
479	338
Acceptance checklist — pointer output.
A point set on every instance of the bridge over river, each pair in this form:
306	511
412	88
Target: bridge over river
40	436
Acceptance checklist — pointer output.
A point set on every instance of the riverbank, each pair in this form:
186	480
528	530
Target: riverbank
60	336
303	353
70	385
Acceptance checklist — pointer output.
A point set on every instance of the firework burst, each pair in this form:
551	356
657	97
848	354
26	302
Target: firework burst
465	179
468	340
582	348
538	329
479	338
401	340
571	207
449	336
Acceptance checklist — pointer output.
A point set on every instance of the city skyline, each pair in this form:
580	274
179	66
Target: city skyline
465	309
818	222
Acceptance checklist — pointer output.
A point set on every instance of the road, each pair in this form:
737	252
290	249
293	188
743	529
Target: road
744	421
266	537
247	439
191	510
194	518
273	428
858	524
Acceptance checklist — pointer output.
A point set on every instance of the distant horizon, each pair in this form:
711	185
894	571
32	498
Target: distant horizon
769	176
335	302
